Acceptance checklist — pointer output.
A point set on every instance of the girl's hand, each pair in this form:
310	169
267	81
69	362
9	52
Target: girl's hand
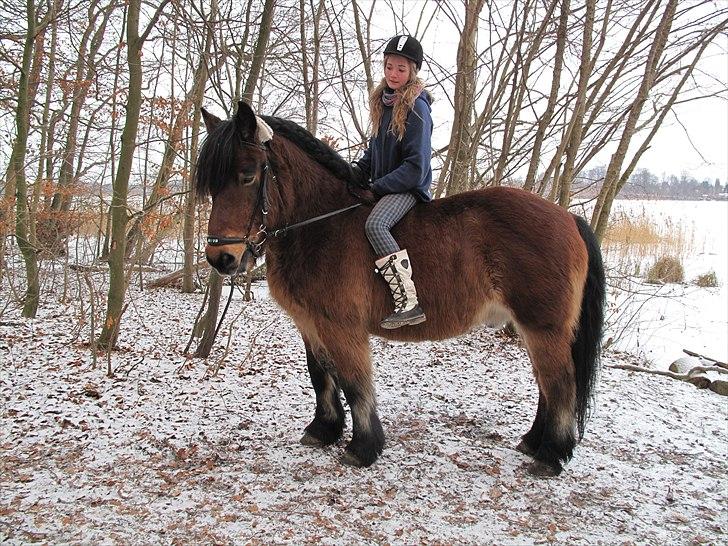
359	177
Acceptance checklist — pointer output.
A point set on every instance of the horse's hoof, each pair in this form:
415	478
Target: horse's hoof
526	449
349	459
311	441
543	470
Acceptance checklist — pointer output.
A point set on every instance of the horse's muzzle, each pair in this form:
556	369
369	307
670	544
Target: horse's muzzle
222	260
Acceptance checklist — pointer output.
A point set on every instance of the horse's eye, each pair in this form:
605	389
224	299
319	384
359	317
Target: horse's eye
247	179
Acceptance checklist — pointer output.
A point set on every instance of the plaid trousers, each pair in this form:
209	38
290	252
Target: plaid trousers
389	210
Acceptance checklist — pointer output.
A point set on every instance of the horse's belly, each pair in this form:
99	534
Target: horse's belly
492	314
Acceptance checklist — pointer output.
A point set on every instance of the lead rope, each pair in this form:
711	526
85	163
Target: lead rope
224	312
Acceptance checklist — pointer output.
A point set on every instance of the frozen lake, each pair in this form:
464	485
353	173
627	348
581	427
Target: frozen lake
660	321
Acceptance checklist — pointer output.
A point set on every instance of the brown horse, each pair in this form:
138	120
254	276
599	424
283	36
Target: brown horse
487	256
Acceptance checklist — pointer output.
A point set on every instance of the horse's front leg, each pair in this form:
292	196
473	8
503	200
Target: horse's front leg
349	353
328	423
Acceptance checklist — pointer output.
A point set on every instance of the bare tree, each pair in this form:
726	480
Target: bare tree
208	323
119	214
24	229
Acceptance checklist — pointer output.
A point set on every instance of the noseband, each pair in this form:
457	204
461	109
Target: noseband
261	200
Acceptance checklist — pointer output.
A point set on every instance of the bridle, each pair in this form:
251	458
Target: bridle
255	248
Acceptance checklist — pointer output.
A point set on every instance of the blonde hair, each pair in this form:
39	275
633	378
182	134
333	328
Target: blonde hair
406	97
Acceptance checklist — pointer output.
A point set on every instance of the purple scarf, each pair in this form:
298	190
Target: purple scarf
389	98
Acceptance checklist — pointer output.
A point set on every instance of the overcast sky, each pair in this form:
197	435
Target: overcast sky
693	138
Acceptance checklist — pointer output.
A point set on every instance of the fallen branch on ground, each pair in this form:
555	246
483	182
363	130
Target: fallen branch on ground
700	381
166	280
713	360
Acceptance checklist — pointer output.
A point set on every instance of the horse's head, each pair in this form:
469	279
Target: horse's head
231	168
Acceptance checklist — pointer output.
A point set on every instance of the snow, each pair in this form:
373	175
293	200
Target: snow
177	450
656	323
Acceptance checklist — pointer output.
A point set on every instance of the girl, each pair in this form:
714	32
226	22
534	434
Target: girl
398	163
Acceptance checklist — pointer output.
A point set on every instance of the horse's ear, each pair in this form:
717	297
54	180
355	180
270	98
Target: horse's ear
245	121
211	120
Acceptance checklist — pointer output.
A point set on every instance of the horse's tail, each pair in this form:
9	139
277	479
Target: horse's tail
586	348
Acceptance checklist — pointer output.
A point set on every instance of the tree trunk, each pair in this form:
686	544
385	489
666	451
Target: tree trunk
363	46
119	215
608	192
196	97
85	68
208	323
259	53
23	228
520	85
8	201
454	178
575	133
545	119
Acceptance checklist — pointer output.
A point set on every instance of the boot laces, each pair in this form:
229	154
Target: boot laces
393	278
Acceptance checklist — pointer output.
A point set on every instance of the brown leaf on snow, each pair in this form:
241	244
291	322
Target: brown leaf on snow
92	391
183	454
6	511
458	462
676	516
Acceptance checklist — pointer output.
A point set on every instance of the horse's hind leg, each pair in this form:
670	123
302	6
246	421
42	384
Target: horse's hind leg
328	422
552	437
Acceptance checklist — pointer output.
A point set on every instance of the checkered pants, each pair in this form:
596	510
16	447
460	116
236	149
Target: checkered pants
389	210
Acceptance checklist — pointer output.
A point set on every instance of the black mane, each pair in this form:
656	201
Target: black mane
215	162
316	149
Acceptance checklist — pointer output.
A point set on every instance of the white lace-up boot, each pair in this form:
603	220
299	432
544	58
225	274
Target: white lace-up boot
397	271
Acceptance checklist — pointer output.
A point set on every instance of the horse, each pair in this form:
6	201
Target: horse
485	256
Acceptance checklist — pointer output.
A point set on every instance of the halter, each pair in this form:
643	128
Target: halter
255	248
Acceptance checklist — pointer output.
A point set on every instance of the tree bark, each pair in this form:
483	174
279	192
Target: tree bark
603	205
209	320
23	228
208	323
196	96
119	214
548	114
85	70
259	53
576	125
454	175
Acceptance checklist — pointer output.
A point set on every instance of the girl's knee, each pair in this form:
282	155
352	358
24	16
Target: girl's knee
374	226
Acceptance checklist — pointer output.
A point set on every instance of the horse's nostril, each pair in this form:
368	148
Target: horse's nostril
226	261
223	262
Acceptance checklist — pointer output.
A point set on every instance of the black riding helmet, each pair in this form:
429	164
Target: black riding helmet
405	46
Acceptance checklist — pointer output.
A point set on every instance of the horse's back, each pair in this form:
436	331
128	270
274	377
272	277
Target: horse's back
494	254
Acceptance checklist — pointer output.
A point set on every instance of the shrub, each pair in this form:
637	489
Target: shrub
707	280
666	269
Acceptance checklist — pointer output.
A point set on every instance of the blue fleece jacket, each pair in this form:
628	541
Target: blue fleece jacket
402	166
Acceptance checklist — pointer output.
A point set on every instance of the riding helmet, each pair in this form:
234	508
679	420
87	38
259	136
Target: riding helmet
405	46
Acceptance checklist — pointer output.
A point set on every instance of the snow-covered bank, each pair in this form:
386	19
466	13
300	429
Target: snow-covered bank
656	322
170	452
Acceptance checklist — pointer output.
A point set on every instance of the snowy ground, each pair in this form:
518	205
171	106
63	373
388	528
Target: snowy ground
177	451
